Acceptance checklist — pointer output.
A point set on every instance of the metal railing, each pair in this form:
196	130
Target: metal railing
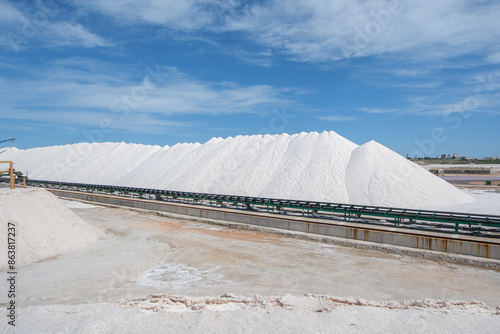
273	205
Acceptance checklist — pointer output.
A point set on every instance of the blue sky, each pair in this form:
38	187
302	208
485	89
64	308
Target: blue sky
420	77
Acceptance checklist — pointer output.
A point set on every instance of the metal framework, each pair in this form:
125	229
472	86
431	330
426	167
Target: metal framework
9	139
273	205
10	172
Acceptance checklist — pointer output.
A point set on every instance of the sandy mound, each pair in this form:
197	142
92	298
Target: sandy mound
44	226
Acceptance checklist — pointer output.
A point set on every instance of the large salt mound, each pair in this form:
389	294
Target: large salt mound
307	166
377	175
283	166
44	226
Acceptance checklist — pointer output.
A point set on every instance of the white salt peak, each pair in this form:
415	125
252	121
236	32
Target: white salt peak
306	166
377	175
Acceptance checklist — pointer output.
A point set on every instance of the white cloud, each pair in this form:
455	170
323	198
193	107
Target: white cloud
420	85
304	30
378	110
41	29
263	59
9	14
139	122
324	30
65	95
318	30
338	118
411	73
187	14
494	58
65	34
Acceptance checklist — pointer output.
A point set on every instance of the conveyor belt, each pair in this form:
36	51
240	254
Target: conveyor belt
278	205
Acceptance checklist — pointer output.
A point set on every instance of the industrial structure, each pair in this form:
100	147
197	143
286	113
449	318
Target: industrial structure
8	139
273	205
12	174
451	232
9	172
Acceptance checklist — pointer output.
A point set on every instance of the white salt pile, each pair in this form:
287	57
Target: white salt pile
378	176
307	166
44	226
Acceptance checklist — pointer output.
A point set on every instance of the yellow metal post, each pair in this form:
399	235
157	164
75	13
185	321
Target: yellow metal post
12	180
11	172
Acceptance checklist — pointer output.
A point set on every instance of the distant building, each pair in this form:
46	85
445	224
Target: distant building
456	156
492	158
446	156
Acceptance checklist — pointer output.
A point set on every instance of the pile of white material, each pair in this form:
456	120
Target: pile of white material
44	226
376	172
306	166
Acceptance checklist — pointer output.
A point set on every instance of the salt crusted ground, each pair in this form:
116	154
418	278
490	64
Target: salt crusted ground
153	274
285	314
485	202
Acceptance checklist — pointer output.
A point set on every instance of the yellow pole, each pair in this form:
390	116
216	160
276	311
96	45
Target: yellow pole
12	181
11	172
